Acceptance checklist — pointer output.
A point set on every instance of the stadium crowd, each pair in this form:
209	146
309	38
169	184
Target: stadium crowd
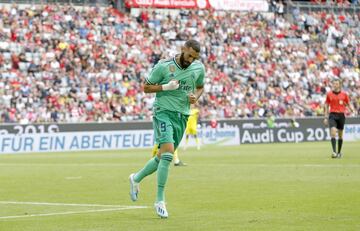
76	65
336	2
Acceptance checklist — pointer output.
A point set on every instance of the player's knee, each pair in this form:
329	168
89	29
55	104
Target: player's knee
340	134
167	147
333	132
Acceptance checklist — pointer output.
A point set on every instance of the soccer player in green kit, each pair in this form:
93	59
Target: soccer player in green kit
177	82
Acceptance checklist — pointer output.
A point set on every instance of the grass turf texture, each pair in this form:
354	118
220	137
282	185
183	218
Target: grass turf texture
248	187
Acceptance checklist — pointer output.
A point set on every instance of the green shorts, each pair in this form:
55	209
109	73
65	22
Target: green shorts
169	127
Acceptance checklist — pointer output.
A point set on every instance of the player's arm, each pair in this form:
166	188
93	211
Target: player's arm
152	83
150	88
326	114
193	98
351	109
349	105
326	111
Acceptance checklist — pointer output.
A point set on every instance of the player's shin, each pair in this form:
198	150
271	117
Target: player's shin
162	174
333	144
340	142
150	167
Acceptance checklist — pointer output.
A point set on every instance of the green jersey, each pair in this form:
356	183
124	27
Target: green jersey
189	79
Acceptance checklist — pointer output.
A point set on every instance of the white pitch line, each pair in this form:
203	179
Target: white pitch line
67	164
73	212
206	165
67	204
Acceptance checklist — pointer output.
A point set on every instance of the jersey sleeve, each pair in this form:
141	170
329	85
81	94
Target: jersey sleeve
347	99
327	101
156	74
200	79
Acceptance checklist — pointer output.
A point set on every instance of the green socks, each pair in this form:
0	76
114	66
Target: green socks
162	167
149	168
162	174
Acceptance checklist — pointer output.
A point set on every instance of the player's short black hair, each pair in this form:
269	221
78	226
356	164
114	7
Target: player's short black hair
193	44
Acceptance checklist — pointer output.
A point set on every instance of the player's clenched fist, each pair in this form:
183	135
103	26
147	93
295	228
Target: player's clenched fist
172	85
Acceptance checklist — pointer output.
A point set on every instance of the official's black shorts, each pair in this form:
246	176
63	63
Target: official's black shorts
337	120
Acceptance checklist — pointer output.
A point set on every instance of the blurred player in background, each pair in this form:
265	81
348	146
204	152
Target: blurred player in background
337	100
191	126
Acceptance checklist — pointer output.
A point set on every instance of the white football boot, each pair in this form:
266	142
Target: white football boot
334	155
134	188
161	209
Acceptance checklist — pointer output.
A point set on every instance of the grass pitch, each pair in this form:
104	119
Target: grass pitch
248	187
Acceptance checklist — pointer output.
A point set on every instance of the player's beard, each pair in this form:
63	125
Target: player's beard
183	63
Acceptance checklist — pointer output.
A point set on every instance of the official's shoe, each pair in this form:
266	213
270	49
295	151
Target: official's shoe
334	155
161	209
339	155
134	188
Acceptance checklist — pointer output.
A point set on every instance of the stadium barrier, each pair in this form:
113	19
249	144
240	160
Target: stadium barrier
111	136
